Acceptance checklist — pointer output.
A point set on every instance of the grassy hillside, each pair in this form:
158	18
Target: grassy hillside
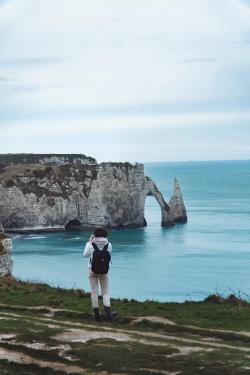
45	330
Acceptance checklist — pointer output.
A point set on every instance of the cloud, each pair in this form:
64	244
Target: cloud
246	38
122	66
32	61
247	2
2	2
195	60
4	79
129	123
119	139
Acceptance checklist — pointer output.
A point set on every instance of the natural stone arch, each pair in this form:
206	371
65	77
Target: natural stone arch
171	212
73	225
167	219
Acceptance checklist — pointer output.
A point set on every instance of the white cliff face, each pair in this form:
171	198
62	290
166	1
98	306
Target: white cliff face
42	196
114	199
107	194
176	204
6	264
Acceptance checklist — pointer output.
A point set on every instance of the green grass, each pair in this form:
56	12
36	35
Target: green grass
145	353
120	357
203	314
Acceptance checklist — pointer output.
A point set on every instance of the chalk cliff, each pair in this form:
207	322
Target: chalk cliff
63	191
6	263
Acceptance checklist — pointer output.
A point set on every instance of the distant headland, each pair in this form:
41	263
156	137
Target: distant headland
50	192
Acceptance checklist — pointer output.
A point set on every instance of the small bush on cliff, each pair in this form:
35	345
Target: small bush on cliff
10	183
3	236
39	173
232	299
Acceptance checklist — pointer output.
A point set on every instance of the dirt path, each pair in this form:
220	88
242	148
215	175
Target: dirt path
117	333
82	333
21	358
135	320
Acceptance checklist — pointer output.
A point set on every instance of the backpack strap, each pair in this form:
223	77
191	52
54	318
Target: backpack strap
106	247
94	246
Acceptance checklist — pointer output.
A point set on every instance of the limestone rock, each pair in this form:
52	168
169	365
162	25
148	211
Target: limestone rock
176	204
167	218
6	264
51	192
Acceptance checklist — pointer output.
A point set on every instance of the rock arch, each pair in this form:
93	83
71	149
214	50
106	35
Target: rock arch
167	218
171	212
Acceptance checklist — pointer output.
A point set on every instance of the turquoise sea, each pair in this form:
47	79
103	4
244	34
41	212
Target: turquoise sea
189	261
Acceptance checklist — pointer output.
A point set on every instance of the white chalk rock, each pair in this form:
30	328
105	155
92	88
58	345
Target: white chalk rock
6	263
176	204
38	196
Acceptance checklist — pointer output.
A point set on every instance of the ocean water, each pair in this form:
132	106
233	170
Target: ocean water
210	253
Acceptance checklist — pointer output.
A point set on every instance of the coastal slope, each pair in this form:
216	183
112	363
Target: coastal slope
52	330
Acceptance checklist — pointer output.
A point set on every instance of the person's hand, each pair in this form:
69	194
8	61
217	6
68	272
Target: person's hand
91	238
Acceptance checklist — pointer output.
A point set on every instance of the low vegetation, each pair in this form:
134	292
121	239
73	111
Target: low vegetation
45	330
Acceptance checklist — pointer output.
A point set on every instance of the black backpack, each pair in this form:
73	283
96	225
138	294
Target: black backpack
100	259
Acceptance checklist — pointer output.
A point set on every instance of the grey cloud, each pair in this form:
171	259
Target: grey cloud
197	60
4	79
13	86
246	38
28	88
32	60
37	87
2	2
247	2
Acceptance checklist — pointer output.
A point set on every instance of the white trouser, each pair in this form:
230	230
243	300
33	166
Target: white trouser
104	282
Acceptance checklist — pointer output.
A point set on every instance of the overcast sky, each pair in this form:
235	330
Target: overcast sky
136	80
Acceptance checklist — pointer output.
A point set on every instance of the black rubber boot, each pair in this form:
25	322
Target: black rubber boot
109	315
97	314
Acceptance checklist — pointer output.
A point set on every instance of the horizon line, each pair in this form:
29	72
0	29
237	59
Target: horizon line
127	161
